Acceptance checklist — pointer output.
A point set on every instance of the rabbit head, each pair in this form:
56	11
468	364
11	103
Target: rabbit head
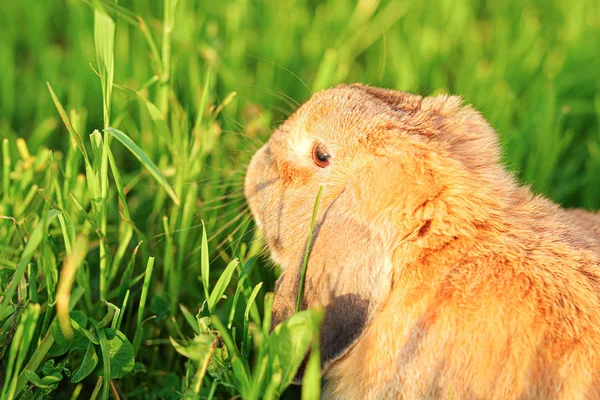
401	175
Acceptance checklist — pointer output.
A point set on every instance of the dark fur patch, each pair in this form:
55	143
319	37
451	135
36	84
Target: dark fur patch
425	228
346	318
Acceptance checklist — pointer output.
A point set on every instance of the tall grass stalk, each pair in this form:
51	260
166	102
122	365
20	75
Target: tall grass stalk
308	248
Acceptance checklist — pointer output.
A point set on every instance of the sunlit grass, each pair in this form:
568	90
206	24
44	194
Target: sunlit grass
129	264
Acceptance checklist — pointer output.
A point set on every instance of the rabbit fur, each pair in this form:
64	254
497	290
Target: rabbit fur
440	275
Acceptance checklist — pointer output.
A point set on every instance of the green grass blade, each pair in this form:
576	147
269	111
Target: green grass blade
18	350
65	118
246	337
222	284
122	311
190	319
308	247
165	86
204	262
32	245
251	300
104	39
145	288
127	223
146	162
68	230
105	362
6	166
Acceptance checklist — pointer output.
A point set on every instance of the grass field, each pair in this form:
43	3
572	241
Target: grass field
129	264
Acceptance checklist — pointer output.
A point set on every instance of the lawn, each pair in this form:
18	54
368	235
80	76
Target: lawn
129	263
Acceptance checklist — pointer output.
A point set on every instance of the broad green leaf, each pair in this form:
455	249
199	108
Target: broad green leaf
222	284
120	352
195	349
56	350
90	360
109	316
289	343
47	383
311	383
199	348
146	162
49	368
85	332
79	341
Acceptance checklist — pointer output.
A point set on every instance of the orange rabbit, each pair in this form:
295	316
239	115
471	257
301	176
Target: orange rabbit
441	276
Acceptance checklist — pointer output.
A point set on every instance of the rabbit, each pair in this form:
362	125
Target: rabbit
440	276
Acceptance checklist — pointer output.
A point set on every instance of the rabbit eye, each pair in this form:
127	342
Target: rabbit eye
320	156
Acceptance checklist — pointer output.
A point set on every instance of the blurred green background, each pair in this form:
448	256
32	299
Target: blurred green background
531	67
199	85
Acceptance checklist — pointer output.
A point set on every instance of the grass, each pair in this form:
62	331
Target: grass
129	264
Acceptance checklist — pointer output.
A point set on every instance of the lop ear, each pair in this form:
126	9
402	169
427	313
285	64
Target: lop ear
462	128
347	274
